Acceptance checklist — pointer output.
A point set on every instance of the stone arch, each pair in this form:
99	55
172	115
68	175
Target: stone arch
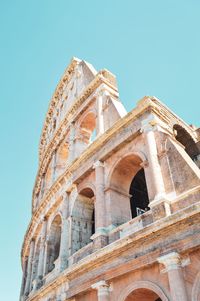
82	219
137	153
127	188
87	185
84	115
146	285
196	289
187	140
51	218
87	128
187	128
53	242
48	176
62	154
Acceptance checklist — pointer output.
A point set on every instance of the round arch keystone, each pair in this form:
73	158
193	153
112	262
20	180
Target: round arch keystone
142	284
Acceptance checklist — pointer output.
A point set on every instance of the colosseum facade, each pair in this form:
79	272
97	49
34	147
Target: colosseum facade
115	207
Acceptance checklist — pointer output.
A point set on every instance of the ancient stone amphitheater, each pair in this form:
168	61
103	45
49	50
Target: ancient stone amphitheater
115	208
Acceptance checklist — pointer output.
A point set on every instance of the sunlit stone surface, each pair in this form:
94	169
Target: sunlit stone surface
115	208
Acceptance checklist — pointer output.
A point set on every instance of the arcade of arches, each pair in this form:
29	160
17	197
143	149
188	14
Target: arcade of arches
110	215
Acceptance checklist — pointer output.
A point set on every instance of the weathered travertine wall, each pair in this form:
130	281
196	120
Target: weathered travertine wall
115	209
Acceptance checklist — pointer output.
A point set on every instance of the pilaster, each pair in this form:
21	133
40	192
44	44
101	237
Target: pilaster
159	205
173	267
64	245
29	268
71	143
24	277
100	236
40	270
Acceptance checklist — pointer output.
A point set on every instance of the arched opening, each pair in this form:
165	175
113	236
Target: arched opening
88	129
61	158
139	195
187	141
53	244
128	189
48	177
83	220
143	294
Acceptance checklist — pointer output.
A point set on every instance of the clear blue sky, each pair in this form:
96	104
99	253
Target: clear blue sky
152	46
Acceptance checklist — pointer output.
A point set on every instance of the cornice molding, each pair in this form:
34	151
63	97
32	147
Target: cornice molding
55	99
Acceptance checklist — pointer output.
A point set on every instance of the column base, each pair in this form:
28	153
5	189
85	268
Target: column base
160	208
37	283
100	240
63	264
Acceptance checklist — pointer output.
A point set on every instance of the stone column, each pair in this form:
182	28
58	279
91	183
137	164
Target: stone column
173	267
103	291
53	168
40	269
71	143
29	268
45	255
159	204
64	244
99	105
64	250
100	236
42	191
151	149
24	278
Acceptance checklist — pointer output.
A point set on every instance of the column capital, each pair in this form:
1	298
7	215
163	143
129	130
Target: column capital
102	91
148	124
98	164
172	261
144	164
102	287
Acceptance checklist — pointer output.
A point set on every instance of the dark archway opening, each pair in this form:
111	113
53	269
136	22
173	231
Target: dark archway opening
139	199
53	245
187	141
88	192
